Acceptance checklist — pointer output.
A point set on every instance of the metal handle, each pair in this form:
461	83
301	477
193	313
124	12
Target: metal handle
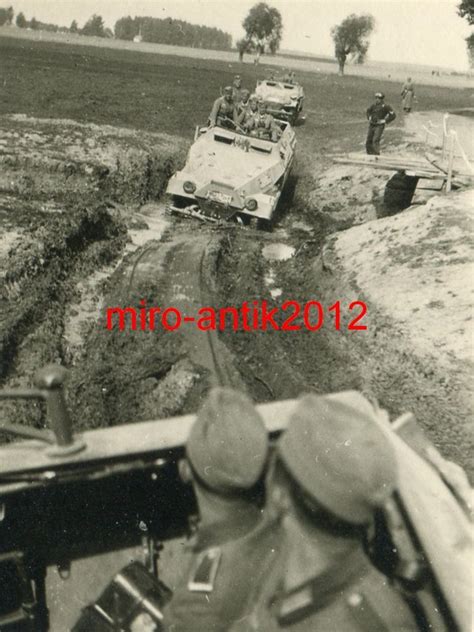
49	382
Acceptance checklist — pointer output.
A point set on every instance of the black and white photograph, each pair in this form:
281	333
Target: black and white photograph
236	303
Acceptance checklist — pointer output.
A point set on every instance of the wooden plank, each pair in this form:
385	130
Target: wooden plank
390	166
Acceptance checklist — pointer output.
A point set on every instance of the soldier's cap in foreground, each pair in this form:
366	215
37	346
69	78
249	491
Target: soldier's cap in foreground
379	95
228	443
340	457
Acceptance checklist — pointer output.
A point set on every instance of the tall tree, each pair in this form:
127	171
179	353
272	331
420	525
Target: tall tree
34	24
466	10
470	49
21	21
351	38
74	27
264	27
126	28
243	46
6	16
94	26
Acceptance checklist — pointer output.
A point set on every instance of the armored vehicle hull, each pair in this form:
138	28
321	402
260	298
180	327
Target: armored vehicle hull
233	176
284	100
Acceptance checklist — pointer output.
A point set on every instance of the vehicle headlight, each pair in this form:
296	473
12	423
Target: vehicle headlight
251	204
189	186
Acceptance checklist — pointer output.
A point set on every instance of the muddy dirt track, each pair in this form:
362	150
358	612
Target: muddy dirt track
84	229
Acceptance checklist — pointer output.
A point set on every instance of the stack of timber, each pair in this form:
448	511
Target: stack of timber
428	167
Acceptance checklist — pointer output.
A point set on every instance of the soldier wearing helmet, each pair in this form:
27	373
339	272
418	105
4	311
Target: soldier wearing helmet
379	114
224	111
334	468
262	124
226	457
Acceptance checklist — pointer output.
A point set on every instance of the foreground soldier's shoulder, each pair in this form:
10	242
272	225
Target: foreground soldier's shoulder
203	573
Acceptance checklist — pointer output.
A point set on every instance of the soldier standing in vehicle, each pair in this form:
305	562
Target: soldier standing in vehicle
333	469
237	89
226	457
379	114
224	111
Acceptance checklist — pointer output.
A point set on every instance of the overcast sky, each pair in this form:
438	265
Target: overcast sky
418	31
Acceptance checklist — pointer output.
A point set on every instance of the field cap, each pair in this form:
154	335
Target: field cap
237	77
228	443
228	89
336	451
245	91
253	97
380	95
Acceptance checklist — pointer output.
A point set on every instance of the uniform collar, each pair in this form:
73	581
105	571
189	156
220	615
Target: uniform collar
242	522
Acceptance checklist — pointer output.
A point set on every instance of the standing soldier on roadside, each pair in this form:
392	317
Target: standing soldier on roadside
333	468
223	112
408	94
379	114
226	457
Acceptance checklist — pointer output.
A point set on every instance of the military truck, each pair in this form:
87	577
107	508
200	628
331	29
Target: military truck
232	176
75	509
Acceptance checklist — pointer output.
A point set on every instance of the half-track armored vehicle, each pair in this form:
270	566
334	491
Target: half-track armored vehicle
230	175
76	510
284	100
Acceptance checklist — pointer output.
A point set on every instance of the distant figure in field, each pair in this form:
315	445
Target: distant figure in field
408	94
379	114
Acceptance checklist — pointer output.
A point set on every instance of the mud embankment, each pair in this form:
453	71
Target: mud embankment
68	193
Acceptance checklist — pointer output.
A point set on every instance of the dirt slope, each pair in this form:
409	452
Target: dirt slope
414	271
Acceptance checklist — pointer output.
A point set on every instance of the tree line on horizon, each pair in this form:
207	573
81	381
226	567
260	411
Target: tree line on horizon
148	29
263	28
174	32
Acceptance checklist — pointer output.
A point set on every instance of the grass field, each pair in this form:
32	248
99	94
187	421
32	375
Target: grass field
172	94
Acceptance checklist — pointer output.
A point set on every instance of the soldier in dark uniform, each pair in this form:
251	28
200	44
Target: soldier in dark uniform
224	111
226	456
333	468
379	114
